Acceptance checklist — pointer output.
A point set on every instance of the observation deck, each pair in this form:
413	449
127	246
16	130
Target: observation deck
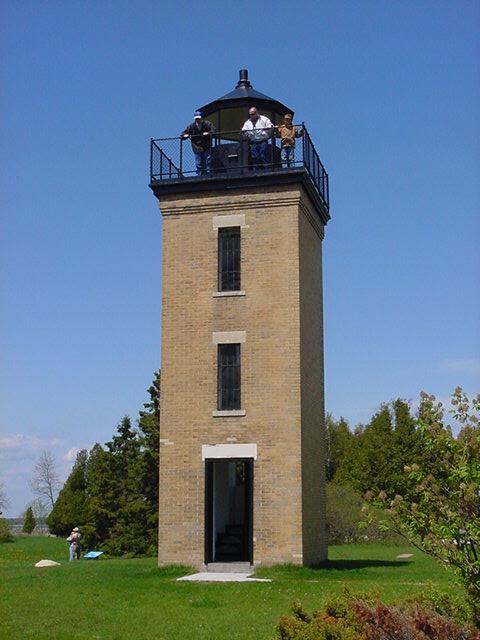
173	167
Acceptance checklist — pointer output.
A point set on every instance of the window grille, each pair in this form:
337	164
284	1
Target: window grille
229	259
228	391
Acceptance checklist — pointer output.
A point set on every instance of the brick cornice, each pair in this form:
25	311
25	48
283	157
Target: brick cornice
234	204
244	203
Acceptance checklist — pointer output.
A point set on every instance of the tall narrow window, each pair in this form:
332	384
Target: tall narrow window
229	259
228	391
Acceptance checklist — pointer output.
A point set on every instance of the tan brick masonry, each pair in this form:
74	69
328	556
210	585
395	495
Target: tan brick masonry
282	370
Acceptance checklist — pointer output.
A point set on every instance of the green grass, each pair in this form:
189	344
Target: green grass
131	598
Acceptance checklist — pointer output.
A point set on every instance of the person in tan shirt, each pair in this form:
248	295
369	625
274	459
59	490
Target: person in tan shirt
74	547
287	134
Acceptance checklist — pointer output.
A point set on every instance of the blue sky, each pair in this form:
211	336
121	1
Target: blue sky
390	94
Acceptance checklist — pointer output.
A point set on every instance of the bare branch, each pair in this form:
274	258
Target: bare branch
40	509
46	482
4	501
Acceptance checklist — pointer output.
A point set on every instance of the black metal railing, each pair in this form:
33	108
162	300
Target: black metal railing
230	153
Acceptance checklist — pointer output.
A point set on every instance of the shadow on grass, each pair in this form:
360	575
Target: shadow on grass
299	572
346	565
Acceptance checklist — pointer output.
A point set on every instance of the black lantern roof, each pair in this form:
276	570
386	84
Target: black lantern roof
229	112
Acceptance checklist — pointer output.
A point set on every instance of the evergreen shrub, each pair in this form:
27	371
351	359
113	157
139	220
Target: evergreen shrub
29	522
5	533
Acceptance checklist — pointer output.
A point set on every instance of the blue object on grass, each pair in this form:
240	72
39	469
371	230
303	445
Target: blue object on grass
92	555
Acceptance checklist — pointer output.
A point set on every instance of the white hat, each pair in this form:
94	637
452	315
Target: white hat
75	529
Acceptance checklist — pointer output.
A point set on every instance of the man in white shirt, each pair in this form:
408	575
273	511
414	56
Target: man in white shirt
258	129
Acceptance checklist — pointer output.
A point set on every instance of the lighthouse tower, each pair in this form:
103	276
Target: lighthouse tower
242	427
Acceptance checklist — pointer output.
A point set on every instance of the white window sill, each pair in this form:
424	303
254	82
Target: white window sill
227	294
232	413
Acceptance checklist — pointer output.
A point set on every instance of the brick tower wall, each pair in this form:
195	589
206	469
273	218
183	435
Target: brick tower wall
312	387
274	361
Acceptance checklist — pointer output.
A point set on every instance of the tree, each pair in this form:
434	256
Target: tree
112	491
115	511
149	421
122	484
149	426
339	441
374	456
69	508
40	510
45	482
4	502
102	497
367	461
440	510
128	533
29	522
405	445
5	533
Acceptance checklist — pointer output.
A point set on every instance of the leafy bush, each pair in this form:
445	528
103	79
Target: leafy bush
345	518
340	606
360	617
381	622
439	509
446	604
5	533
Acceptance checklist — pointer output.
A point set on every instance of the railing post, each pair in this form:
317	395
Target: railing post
309	158
304	143
212	140
151	159
181	157
272	152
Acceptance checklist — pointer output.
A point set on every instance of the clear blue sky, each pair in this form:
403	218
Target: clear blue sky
390	93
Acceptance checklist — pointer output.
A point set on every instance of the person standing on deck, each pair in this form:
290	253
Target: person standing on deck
287	134
258	130
200	134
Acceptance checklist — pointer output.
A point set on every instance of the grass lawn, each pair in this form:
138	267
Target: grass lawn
121	598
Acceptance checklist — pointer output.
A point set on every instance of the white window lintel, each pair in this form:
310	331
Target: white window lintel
229	451
229	337
234	220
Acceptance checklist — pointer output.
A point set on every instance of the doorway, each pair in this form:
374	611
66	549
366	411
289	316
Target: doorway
229	510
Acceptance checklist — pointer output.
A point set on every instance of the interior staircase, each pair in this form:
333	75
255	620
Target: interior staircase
230	545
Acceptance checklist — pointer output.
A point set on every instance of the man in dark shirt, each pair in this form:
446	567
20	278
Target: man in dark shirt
200	134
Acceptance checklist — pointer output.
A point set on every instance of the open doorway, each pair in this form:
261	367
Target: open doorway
228	510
